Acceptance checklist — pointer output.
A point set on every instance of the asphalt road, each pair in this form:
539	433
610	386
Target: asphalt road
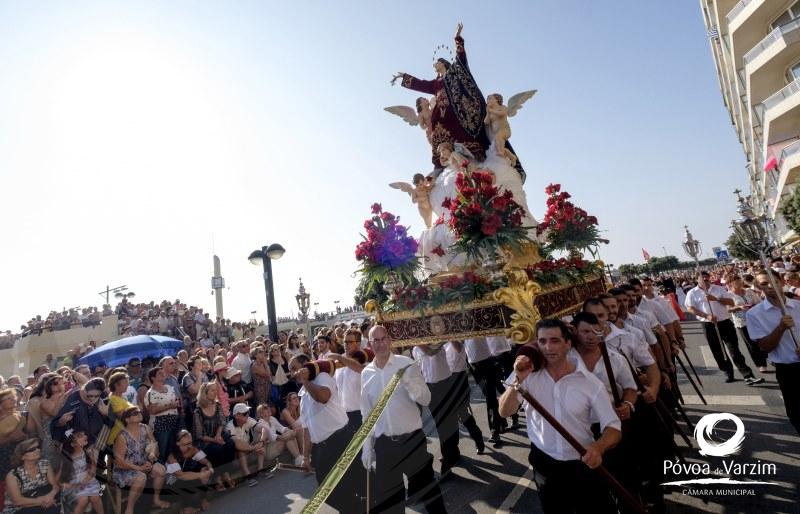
500	480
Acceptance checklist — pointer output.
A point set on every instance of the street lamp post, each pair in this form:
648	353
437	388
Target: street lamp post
692	248
265	256
303	299
754	233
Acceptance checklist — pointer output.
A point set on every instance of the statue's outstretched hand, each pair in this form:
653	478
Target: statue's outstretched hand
458	29
396	76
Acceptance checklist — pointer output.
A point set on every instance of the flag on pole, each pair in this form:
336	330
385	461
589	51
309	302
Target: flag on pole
713	33
771	164
645	255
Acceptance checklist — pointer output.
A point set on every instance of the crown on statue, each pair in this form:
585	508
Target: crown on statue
442	52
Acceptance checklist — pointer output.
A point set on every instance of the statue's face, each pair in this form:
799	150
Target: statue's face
491	100
439	67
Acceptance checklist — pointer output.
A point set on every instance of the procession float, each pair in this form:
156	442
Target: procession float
483	266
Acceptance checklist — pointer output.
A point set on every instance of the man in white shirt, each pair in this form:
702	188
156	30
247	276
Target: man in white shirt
457	361
324	417
576	399
503	356
242	361
709	303
771	331
484	371
397	444
323	346
432	363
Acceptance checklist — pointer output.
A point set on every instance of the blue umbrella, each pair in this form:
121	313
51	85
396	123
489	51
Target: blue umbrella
118	353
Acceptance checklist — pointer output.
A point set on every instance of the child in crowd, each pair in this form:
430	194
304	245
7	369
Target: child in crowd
275	436
78	473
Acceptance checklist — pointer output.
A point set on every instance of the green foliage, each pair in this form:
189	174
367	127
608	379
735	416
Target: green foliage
790	209
739	251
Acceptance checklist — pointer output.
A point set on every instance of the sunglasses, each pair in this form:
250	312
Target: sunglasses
32	449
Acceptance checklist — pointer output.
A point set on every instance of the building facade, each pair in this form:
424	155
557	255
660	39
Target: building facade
756	50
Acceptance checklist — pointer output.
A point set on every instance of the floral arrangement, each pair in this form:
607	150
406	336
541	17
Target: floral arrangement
386	249
482	218
464	288
567	227
563	270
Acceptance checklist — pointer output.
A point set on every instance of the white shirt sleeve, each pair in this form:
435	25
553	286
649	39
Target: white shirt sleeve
755	326
415	385
604	411
624	377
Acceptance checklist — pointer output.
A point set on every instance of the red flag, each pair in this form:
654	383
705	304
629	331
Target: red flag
645	255
771	164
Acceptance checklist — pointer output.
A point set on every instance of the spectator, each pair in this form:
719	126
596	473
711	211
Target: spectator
31	486
262	376
238	391
290	417
277	437
78	469
209	431
135	460
242	360
118	403
190	466
46	400
135	372
82	411
246	441
279	369
220	368
12	428
162	405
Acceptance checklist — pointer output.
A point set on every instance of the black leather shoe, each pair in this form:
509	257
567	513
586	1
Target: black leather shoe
480	446
729	380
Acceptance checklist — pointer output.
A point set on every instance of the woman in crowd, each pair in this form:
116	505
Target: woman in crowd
82	410
162	404
190	385
135	459
220	368
31	486
141	392
46	400
209	431
78	469
290	417
12	429
743	300
261	374
279	369
277	437
190	466
118	402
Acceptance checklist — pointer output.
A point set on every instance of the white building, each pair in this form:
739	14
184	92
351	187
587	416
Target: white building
756	49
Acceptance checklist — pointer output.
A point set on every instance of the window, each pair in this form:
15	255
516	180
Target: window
793	12
794	72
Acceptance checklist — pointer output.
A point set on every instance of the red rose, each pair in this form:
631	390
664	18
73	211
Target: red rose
491	224
438	251
376	208
387	216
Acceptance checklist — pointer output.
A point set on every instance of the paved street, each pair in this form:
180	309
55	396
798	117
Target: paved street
499	481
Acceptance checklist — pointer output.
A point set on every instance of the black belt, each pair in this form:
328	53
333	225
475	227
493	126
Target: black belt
784	365
400	437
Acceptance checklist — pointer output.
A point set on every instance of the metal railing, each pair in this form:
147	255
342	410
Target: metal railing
771	38
788	151
739	7
790	89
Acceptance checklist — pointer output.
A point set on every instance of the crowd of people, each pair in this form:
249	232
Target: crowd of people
228	406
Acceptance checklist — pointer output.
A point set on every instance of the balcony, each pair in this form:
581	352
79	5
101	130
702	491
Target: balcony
766	63
789	168
746	23
781	114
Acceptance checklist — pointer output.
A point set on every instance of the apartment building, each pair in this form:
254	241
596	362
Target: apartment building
756	49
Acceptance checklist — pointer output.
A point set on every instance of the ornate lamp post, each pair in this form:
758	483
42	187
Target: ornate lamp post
303	299
754	233
692	247
265	256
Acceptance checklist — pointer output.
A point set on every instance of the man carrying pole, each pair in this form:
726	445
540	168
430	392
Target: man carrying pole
576	399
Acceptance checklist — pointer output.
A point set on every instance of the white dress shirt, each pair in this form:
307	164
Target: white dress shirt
349	384
477	350
242	362
657	308
622	372
433	366
762	320
632	320
648	316
635	350
322	419
401	415
498	345
696	298
455	359
576	401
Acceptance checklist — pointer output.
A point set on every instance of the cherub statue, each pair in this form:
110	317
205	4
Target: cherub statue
455	156
420	194
421	117
496	121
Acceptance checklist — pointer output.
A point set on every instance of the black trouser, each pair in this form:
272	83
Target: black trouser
485	373
758	355
442	407
568	486
788	376
650	436
505	366
406	454
728	333
356	475
323	456
461	394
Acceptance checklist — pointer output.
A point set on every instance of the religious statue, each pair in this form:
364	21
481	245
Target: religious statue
496	121
422	117
456	156
420	194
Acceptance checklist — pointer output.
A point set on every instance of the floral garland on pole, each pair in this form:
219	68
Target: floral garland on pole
482	218
463	288
567	227
387	253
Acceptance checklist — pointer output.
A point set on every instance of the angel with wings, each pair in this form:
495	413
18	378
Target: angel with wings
496	121
421	117
420	194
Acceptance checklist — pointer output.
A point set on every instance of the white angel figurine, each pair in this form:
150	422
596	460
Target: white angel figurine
421	117
496	121
420	194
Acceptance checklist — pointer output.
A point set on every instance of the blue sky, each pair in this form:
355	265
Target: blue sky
132	135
